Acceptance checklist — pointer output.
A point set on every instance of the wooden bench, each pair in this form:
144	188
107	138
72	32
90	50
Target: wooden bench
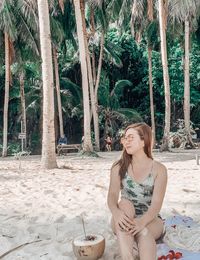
64	148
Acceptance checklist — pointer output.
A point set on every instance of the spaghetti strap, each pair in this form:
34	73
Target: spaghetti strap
151	171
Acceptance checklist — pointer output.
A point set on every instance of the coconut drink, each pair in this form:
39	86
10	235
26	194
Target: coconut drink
90	247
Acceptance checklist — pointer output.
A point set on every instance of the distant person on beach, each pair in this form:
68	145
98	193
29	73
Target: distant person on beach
108	141
142	182
62	140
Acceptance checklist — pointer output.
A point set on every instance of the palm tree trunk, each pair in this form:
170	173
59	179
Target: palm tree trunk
87	146
94	67
162	22
99	65
48	139
23	105
92	22
187	83
58	91
151	95
6	99
91	82
94	111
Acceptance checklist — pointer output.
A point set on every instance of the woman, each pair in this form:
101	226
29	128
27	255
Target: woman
108	143
142	182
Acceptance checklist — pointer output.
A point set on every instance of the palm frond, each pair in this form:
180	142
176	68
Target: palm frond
138	19
119	87
67	84
179	10
8	19
131	114
113	52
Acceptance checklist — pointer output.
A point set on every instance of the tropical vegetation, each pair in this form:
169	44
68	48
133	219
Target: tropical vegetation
89	68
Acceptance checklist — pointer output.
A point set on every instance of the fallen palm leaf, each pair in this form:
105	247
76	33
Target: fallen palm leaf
17	247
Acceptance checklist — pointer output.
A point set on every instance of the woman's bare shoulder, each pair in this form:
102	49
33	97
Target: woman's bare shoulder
115	168
160	168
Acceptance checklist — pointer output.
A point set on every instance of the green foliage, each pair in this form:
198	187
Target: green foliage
14	148
123	93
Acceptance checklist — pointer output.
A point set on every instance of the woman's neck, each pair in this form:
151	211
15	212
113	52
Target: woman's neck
139	157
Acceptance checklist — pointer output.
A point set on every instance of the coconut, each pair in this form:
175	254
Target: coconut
89	247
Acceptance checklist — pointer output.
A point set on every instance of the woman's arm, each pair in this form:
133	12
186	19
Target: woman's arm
121	220
114	190
158	194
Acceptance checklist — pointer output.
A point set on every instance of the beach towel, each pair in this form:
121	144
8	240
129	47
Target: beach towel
182	235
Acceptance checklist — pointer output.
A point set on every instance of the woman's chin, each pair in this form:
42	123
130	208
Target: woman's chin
129	151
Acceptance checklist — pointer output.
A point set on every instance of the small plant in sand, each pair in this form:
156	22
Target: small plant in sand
19	155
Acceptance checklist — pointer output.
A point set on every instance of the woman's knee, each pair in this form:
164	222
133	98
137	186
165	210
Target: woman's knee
113	225
145	235
127	255
156	227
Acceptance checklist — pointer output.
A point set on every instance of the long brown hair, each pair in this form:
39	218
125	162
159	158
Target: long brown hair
145	134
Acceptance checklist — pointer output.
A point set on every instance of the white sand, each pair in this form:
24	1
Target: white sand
46	205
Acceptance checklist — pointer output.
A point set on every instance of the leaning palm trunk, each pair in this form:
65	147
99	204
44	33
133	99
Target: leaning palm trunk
87	146
91	82
92	97
99	66
23	105
187	84
58	92
6	99
162	22
98	79
151	94
48	138
94	110
92	22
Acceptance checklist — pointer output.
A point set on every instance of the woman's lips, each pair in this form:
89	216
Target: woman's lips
128	147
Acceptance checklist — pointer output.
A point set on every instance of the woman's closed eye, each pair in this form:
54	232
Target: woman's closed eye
129	138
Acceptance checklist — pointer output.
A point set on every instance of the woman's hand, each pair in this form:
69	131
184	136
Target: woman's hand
137	226
122	220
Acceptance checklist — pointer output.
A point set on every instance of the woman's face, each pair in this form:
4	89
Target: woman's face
132	142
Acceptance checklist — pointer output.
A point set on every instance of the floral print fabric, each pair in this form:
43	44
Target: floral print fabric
140	194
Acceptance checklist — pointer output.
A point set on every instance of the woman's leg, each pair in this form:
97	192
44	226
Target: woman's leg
147	239
125	240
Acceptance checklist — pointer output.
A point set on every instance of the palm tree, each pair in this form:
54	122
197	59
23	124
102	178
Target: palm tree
59	36
78	4
98	11
187	12
8	26
57	82
23	104
142	22
91	73
6	98
163	10
48	139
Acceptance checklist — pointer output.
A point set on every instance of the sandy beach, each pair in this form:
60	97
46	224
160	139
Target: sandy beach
44	207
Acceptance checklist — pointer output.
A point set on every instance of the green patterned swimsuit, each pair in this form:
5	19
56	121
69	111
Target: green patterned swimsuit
140	194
